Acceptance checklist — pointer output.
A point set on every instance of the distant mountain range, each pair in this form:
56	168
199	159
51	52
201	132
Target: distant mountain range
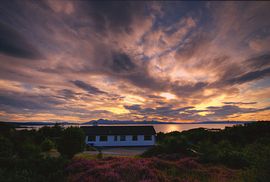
22	124
105	121
114	122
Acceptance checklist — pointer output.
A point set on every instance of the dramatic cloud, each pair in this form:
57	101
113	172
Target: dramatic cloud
166	111
259	61
87	87
188	113
23	102
169	61
228	110
113	16
14	44
254	75
244	103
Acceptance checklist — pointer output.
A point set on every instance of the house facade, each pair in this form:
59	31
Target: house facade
115	136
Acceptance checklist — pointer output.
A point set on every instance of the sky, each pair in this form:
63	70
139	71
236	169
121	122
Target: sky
168	61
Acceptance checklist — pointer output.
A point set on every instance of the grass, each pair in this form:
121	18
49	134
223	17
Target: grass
51	153
91	156
85	156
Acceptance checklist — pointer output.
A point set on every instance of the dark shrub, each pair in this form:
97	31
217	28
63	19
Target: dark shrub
47	145
71	141
6	147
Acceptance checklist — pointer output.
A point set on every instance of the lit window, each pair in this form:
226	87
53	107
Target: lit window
122	138
91	138
147	137
134	137
103	138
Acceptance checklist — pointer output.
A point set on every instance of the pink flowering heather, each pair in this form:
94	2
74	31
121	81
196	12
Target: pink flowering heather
115	169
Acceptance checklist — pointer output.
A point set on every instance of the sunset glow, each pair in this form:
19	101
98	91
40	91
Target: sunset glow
169	61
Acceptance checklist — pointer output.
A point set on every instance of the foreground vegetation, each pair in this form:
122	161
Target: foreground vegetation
30	155
242	147
239	153
113	169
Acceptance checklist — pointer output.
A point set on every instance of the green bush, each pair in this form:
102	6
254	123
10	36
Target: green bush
21	159
29	149
34	169
6	147
47	145
71	141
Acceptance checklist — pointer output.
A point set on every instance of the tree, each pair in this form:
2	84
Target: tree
47	145
71	141
51	132
6	147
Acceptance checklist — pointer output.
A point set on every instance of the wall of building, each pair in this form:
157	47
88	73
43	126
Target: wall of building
128	142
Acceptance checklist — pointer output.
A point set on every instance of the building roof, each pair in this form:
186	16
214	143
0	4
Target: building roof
119	130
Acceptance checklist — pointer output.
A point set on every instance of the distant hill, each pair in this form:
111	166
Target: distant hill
35	123
105	121
108	122
115	122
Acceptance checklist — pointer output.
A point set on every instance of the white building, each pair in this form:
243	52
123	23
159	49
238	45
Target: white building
114	136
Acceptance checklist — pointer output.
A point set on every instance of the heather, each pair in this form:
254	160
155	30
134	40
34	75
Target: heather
113	169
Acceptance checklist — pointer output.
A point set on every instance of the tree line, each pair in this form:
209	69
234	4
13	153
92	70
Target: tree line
33	155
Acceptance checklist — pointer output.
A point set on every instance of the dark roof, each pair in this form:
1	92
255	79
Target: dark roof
119	130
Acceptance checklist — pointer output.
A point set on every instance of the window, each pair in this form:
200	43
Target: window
115	138
134	137
91	138
147	137
122	138
103	138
